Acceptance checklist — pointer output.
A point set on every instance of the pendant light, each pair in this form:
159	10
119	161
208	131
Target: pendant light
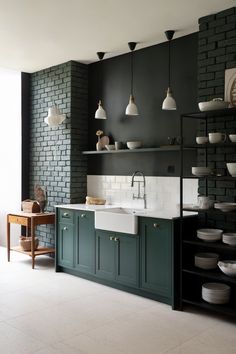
169	103
131	109
100	112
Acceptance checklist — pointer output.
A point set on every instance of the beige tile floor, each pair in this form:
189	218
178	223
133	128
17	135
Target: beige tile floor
45	312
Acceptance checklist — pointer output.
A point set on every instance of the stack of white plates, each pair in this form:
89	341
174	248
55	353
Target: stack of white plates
225	206
209	235
216	293
201	171
206	260
229	238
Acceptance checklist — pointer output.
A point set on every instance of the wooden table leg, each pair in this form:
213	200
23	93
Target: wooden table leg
32	241
8	239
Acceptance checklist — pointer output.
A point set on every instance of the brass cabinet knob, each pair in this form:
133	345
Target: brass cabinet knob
83	215
116	239
111	238
65	214
156	225
65	228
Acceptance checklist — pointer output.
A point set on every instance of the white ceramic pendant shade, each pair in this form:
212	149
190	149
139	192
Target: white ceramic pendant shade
169	103
55	117
100	112
131	109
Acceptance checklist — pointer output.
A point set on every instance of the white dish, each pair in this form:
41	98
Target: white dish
209	235
229	238
201	139
212	105
206	260
232	137
228	267
225	206
201	171
216	293
134	144
231	166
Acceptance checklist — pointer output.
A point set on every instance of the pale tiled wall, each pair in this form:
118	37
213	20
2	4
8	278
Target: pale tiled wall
161	192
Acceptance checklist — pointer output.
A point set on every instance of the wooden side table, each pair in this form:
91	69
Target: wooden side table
30	221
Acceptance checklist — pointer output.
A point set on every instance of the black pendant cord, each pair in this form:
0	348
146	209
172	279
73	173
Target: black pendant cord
132	74
169	66
100	76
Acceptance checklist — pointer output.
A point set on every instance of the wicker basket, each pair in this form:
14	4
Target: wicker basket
25	243
30	206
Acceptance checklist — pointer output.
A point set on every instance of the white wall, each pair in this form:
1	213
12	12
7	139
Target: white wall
162	193
10	150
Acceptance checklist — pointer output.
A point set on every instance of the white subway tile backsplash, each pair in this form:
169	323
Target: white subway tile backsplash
161	192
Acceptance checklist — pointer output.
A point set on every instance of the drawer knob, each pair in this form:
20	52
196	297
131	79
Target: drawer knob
83	215
65	214
156	225
65	228
116	239
111	238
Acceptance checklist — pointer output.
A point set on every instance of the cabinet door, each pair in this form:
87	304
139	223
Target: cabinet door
105	254
156	253
65	247
85	242
127	259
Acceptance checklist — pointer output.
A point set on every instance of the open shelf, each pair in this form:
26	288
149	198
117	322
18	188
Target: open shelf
213	245
215	275
222	309
211	211
211	114
127	151
225	178
40	250
209	145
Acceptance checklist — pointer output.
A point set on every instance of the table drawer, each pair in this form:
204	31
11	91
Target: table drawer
18	220
66	215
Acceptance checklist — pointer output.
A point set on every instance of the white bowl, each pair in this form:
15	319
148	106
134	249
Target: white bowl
201	171
134	144
229	238
231	166
225	206
228	267
110	147
232	137
209	235
211	105
216	293
201	139
206	260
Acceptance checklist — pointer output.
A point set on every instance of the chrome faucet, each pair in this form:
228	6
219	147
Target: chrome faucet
138	173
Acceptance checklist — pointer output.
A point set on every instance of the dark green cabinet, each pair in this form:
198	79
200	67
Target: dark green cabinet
117	257
105	254
65	247
85	242
156	256
139	263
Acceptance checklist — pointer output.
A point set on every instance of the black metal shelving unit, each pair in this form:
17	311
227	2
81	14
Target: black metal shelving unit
191	277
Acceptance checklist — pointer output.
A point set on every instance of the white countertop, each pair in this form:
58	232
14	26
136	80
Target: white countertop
159	214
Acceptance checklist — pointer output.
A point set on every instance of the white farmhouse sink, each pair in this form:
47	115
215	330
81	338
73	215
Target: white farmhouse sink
117	219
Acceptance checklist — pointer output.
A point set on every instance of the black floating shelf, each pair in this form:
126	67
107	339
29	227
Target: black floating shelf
209	145
211	114
125	151
222	309
213	274
212	211
225	178
213	245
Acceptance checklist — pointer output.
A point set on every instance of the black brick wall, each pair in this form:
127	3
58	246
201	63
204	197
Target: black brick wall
55	158
216	53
